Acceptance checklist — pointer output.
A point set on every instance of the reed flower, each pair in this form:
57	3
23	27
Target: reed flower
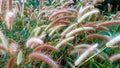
10	62
85	9
38	30
1	6
82	50
73	32
113	41
90	24
19	57
115	57
98	1
57	21
104	37
56	29
44	58
82	46
60	12
64	41
85	54
13	48
2	49
80	19
9	19
18	6
34	41
44	46
66	4
109	7
9	5
107	23
68	29
4	40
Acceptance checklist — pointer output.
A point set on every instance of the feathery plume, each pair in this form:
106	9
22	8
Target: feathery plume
33	41
85	54
78	51
107	23
86	1
73	32
74	11
57	21
103	28
109	7
56	28
85	46
72	26
9	5
38	30
41	3
80	19
78	6
44	46
42	36
90	24
47	7
63	42
59	13
4	40
66	4
3	49
113	41
104	37
10	62
117	15
33	16
43	58
114	58
98	1
19	57
23	6
1	6
9	19
85	9
62	18
13	48
82	46
18	6
41	13
63	22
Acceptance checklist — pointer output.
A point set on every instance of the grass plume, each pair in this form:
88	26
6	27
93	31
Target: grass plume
115	57
113	41
85	54
44	46
33	41
44	58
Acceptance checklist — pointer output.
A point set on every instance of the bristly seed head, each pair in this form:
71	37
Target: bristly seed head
43	58
115	58
9	19
113	41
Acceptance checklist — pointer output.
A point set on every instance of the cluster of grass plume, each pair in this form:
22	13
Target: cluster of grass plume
65	34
